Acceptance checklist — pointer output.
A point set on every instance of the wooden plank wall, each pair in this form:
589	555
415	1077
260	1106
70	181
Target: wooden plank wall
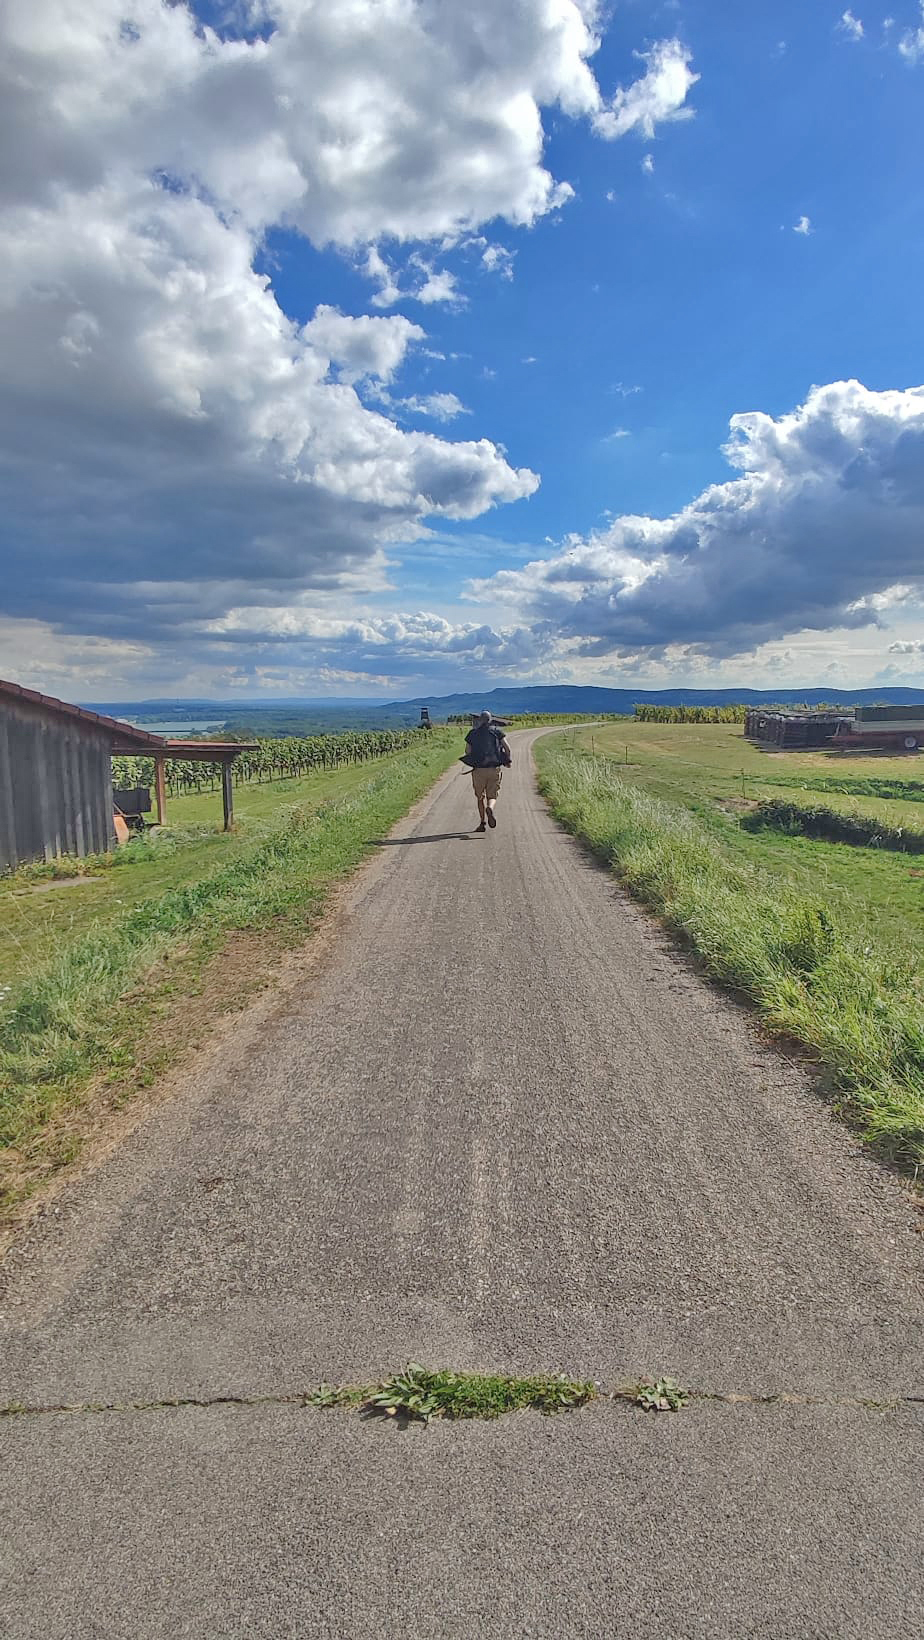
55	785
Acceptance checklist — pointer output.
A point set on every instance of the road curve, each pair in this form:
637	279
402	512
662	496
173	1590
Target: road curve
499	1123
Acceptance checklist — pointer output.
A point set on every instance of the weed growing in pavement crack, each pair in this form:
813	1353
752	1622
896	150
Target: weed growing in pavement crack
664	1395
332	1395
420	1393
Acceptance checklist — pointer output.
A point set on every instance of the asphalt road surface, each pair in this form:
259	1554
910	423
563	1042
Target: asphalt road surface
492	1119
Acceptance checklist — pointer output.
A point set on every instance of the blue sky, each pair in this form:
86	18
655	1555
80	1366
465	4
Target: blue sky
324	377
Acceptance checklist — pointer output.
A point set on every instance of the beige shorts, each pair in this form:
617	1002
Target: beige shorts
486	782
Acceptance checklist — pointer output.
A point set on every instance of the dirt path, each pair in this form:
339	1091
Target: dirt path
502	1125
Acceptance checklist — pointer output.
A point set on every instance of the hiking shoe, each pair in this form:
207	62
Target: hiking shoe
482	827
492	819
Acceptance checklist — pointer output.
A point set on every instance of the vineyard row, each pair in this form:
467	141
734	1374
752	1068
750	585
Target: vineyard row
690	714
267	760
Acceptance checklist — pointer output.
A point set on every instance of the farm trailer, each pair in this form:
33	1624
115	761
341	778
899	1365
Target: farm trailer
882	729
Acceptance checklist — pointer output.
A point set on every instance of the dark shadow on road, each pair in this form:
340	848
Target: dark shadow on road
440	837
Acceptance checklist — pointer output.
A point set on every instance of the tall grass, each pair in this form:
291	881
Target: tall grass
142	849
67	1020
884	786
860	1009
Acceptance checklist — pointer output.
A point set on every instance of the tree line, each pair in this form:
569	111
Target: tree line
539	720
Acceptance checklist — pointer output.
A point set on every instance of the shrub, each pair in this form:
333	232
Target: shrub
861	830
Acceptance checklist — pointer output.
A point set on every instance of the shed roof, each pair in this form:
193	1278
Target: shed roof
208	751
125	733
125	737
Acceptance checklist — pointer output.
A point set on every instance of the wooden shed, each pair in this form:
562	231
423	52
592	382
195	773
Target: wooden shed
56	776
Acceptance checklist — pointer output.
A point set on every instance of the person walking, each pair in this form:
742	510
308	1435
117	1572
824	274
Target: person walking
488	752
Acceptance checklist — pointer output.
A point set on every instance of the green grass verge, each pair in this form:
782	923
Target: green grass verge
713	772
66	1020
867	786
812	978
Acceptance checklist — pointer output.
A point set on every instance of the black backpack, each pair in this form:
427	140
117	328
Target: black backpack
485	750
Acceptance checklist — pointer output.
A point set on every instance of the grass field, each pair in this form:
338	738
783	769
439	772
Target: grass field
714	773
93	973
825	938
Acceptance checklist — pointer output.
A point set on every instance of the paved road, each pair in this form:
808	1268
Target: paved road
500	1123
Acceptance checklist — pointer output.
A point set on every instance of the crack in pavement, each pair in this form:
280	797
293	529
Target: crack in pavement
627	1394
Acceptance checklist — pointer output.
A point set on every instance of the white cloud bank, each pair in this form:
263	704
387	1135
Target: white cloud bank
350	121
171	440
822	531
823	528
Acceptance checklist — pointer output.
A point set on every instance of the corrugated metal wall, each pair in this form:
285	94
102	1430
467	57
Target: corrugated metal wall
55	785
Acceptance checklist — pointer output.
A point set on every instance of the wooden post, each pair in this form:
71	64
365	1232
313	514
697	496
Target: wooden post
160	789
227	793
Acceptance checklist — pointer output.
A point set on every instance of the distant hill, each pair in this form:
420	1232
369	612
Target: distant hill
575	698
302	717
271	719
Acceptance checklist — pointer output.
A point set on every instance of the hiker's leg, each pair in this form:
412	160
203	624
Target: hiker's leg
478	787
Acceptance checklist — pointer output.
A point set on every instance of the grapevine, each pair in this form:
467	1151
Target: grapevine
267	760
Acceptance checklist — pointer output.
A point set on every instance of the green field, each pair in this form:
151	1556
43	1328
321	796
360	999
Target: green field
711	770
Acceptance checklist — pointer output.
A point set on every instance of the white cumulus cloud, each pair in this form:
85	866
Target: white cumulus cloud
196	432
851	26
911	44
826	517
439	406
361	347
352	122
399	644
658	97
497	259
